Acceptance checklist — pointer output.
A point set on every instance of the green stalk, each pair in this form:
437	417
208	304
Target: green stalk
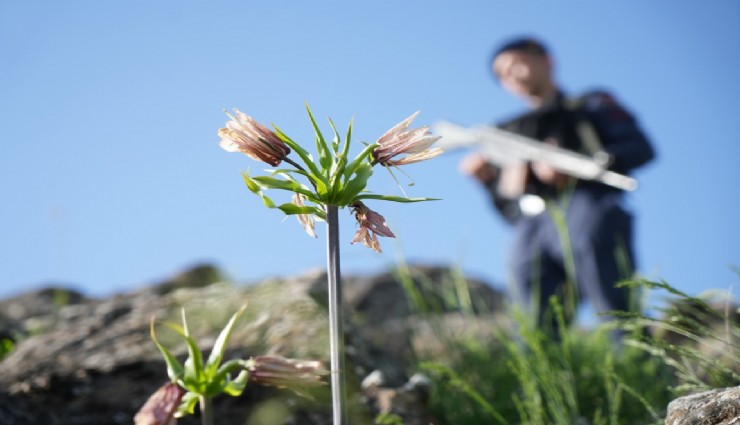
336	334
206	410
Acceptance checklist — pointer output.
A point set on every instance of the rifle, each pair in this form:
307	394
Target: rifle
501	147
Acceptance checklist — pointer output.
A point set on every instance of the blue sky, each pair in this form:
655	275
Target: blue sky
111	177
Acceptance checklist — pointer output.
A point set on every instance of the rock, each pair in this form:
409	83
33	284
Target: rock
408	401
715	407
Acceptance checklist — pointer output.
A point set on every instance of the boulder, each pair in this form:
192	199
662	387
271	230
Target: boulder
715	407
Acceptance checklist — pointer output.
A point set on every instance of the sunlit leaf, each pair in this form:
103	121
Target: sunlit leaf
303	154
236	387
348	139
289	185
174	368
393	198
251	185
351	168
217	353
356	185
187	405
336	140
268	202
293	209
325	155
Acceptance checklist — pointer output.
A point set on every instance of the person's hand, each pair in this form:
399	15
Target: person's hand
475	165
548	174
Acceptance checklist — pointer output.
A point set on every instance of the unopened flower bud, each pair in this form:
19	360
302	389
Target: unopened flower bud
243	134
282	372
160	408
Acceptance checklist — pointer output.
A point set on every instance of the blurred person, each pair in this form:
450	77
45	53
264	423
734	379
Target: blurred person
598	232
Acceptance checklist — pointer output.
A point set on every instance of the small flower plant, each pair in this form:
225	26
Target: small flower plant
197	381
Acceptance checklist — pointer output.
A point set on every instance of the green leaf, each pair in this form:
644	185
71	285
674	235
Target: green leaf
251	185
393	198
289	185
293	209
348	139
217	353
236	387
352	167
190	379
187	404
195	357
325	155
313	170
355	185
335	182
222	381
336	140
268	202
304	190
174	368
337	169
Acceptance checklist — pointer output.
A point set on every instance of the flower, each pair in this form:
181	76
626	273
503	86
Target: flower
282	372
371	224
160	408
306	220
244	134
400	140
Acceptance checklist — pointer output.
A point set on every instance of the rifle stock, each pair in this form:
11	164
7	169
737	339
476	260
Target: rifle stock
502	147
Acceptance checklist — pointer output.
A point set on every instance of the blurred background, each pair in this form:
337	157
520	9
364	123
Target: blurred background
111	177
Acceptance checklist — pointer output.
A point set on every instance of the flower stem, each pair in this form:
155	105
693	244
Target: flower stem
206	410
298	167
336	334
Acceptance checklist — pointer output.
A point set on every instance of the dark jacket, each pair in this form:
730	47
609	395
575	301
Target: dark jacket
615	131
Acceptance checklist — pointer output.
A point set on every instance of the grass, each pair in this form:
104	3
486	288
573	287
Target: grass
519	375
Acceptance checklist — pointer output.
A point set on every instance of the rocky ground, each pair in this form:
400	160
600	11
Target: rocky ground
80	361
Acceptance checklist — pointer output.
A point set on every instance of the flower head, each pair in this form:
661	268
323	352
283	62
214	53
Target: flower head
160	408
244	134
371	224
400	140
282	372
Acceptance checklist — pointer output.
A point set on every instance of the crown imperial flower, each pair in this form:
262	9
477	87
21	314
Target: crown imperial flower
243	134
371	224
400	140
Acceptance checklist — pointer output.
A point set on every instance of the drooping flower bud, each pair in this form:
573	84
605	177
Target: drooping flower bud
282	372
400	140
243	134
371	225
160	408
